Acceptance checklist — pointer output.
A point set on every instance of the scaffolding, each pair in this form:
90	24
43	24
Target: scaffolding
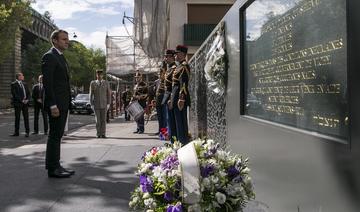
144	50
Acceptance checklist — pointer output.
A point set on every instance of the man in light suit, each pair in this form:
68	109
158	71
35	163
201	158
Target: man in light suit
57	100
20	100
100	96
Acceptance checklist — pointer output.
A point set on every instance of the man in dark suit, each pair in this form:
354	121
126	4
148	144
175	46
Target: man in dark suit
20	99
57	100
37	95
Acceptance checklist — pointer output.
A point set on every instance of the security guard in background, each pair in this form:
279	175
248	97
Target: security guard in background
167	100
140	95
180	93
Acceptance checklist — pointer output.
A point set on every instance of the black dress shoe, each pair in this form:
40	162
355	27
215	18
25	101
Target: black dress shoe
15	134
98	136
140	132
58	173
70	171
34	133
103	136
27	135
137	131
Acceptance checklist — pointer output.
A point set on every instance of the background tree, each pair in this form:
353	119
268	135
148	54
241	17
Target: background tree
13	14
82	61
31	59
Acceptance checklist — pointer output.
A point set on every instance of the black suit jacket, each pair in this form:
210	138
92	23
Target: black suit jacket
55	80
18	94
37	93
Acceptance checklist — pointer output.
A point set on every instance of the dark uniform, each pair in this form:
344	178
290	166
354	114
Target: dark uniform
168	101
126	98
141	94
180	93
159	96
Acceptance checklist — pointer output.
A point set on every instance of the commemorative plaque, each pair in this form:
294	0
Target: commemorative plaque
295	64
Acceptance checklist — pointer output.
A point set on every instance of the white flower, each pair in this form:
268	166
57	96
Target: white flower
206	183
146	195
245	171
194	208
220	197
214	179
159	173
144	167
135	199
148	202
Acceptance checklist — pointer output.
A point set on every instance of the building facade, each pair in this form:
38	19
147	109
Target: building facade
191	21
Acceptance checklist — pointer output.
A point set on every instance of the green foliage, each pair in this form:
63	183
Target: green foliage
31	59
13	14
82	61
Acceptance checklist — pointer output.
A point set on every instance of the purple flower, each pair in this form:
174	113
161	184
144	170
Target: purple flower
168	196
174	208
170	163
232	172
145	184
207	170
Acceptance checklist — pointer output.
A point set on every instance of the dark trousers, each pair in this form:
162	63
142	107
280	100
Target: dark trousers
37	109
24	109
161	116
57	126
181	124
140	123
171	124
127	115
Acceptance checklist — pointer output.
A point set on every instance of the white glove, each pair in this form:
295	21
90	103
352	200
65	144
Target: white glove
107	107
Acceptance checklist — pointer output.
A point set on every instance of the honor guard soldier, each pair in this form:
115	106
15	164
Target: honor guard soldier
140	95
180	93
167	100
126	98
159	95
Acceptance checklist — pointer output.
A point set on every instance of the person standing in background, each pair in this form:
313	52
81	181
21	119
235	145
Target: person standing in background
57	101
167	99
180	94
100	97
140	95
20	100
37	95
159	95
126	97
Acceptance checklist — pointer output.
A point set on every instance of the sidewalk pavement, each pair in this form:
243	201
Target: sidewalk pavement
104	171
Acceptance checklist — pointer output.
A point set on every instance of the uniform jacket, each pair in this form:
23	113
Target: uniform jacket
100	94
180	83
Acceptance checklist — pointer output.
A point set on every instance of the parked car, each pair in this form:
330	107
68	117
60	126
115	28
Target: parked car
81	104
